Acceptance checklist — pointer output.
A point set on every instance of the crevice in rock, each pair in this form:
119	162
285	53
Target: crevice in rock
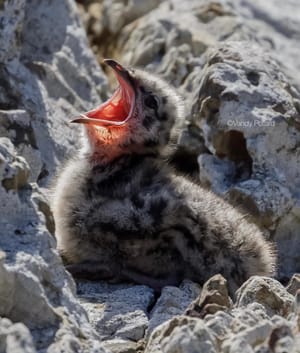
232	145
43	174
152	304
9	99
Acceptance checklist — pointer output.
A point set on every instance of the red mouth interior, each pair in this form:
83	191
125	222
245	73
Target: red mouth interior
118	108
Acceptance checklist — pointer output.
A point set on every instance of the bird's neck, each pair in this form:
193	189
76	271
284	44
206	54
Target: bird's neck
121	170
104	146
105	155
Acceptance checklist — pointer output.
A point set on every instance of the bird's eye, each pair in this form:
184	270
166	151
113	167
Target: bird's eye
151	102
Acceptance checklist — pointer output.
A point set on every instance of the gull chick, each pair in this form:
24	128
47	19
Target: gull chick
122	213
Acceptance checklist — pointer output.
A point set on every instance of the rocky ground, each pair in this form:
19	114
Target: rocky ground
236	64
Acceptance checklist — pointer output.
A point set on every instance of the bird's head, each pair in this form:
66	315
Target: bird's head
138	118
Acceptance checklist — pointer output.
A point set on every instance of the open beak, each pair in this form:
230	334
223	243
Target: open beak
117	110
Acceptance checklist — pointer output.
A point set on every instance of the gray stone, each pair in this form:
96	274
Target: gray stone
268	292
216	173
232	107
219	324
46	77
294	284
116	310
214	297
281	339
287	238
15	338
276	28
116	13
173	301
61	75
117	345
182	335
249	328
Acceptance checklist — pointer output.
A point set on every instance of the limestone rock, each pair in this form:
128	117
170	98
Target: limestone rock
117	14
117	345
57	77
182	335
15	338
294	284
214	297
247	328
35	289
268	292
46	77
281	339
173	301
116	310
250	124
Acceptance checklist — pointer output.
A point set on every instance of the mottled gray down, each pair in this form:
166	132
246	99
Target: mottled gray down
131	217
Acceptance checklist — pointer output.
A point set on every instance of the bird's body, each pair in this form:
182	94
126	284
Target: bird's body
127	215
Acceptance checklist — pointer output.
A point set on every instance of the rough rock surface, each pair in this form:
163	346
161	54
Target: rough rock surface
47	73
253	324
173	301
15	338
214	297
251	127
117	310
236	64
47	76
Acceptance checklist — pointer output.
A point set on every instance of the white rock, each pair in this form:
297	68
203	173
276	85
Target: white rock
15	338
182	335
115	310
267	292
173	301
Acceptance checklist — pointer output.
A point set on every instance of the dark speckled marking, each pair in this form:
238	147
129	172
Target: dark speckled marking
107	227
107	186
148	177
122	175
162	117
136	221
148	121
187	234
114	228
157	250
237	272
142	89
89	188
209	258
150	143
137	201
201	224
151	101
156	209
98	169
128	143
